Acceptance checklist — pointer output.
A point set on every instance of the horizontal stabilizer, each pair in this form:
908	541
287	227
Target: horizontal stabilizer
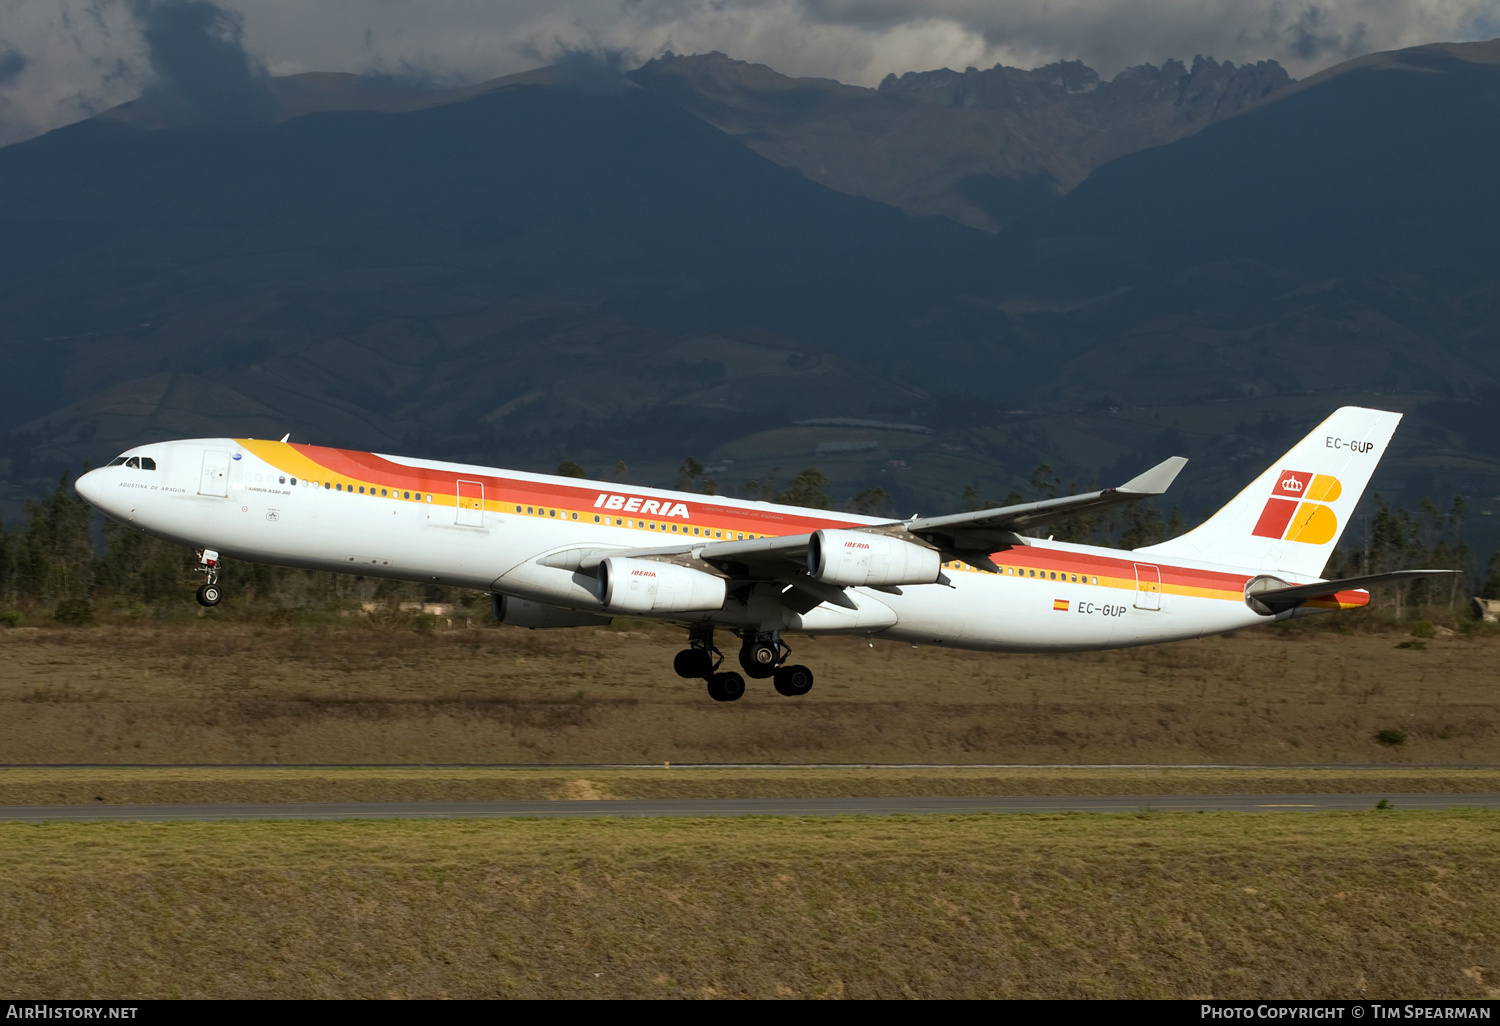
1276	599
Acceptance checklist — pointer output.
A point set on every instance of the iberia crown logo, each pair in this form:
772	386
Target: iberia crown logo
1307	520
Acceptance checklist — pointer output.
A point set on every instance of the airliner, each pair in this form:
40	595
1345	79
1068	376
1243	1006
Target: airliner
563	552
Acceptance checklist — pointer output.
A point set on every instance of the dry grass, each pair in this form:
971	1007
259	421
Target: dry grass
225	693
1384	905
47	786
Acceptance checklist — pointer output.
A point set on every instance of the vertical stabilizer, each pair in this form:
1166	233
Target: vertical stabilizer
1290	518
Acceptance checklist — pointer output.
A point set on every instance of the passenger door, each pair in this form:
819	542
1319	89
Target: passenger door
1147	586
214	479
470	504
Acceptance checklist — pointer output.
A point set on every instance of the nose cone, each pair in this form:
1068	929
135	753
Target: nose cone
90	487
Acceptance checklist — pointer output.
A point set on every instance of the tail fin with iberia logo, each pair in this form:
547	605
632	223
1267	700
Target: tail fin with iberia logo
1290	517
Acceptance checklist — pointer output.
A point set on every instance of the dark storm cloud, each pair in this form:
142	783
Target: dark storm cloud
11	63
196	52
1312	38
83	56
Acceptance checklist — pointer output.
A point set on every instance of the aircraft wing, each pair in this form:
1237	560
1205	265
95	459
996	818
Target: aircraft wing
1292	595
970	536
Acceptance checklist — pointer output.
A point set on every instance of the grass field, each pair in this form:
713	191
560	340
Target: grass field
150	786
1385	904
215	692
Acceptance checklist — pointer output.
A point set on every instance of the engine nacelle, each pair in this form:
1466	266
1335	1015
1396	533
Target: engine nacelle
519	612
646	586
855	558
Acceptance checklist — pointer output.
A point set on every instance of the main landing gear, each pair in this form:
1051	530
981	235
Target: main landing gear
209	593
762	655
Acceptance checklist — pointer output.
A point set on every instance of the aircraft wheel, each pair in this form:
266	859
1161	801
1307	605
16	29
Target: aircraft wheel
726	687
693	662
210	595
759	659
794	680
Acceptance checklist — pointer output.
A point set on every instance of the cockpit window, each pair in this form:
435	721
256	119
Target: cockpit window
118	461
134	461
147	463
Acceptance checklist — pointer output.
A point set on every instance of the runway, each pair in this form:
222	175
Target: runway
747	807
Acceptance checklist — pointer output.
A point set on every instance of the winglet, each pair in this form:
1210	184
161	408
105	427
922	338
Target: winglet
1156	480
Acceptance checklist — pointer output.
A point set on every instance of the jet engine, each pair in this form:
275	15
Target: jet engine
519	612
646	586
855	558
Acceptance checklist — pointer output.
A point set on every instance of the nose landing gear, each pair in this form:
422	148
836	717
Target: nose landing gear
209	593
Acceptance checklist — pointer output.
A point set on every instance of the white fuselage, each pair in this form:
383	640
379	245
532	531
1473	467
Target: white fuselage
493	530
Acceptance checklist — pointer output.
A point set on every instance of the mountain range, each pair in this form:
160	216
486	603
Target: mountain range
940	282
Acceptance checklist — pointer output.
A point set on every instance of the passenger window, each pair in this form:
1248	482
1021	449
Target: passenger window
596	518
575	516
429	496
530	510
294	482
339	487
281	480
1095	581
552	512
518	509
652	525
361	489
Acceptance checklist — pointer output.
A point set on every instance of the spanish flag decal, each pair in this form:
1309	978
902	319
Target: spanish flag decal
1061	605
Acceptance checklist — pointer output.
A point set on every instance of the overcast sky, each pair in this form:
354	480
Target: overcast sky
62	60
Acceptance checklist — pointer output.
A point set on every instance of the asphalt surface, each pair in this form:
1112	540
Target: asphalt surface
746	807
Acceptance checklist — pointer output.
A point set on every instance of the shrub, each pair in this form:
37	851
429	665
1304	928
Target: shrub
1391	737
1423	629
10	618
74	613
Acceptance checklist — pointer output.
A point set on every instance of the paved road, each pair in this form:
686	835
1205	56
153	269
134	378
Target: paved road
747	807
